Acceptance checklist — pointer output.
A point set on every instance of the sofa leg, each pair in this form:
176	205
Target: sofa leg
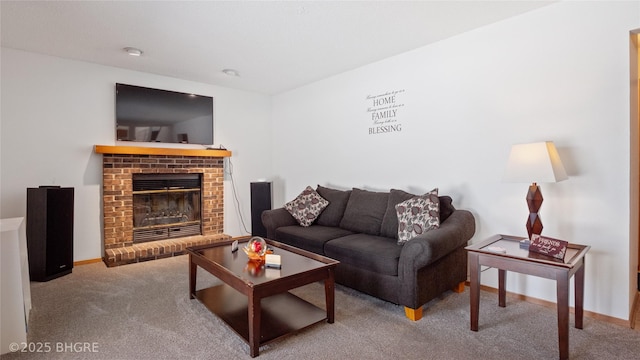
413	314
459	288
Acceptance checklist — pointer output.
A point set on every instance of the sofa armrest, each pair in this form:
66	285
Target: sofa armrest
275	218
427	248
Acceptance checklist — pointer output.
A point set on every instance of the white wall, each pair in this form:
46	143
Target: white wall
559	73
55	110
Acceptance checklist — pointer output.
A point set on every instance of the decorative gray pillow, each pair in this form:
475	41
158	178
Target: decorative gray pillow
307	206
418	215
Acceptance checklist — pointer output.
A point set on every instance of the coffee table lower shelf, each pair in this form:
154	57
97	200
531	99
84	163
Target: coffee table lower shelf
282	313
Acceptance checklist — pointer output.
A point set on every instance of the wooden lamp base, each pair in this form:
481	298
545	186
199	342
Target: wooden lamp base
534	202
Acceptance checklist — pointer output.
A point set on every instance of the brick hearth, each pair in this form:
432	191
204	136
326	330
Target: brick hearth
153	250
118	170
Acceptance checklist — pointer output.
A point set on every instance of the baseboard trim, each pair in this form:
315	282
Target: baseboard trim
85	262
552	305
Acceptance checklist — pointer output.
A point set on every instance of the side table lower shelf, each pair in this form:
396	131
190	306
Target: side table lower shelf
282	314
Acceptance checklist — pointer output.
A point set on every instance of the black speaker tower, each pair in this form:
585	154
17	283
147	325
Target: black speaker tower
49	232
260	201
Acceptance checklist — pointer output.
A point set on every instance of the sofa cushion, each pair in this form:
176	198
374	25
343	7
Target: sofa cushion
310	238
446	207
364	212
418	215
389	226
333	213
307	206
374	253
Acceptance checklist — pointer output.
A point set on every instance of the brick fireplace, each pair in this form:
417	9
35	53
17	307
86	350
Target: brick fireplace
121	163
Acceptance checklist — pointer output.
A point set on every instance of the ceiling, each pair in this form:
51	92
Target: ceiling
275	46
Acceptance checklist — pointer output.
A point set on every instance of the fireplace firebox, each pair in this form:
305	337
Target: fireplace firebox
166	206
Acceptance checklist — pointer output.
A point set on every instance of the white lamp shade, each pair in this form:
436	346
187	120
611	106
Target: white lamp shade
535	162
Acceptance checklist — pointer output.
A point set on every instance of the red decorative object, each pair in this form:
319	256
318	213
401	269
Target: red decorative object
255	248
548	246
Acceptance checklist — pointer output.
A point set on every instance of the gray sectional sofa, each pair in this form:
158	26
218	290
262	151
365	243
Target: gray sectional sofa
360	229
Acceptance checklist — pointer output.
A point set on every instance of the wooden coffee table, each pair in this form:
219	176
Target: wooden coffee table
524	262
255	301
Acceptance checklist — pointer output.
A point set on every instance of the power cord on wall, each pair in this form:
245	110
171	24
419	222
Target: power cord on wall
235	197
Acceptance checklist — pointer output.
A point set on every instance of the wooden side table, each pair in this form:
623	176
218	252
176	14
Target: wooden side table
521	261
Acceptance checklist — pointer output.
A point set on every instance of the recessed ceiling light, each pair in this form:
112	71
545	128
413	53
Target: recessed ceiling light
231	72
133	51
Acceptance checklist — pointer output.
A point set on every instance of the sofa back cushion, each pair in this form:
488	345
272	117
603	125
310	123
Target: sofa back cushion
333	213
365	211
446	208
389	226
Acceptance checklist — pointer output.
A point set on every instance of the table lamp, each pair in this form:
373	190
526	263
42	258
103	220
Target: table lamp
534	162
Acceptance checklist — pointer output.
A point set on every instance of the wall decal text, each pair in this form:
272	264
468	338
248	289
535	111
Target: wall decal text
383	111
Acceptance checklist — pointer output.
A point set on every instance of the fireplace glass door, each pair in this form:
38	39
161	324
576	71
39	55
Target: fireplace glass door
166	206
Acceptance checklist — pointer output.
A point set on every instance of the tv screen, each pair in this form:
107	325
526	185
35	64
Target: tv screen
162	116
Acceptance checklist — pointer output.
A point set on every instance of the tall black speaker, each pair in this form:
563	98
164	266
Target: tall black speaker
49	232
260	201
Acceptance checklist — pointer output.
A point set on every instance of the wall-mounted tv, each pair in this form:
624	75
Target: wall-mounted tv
162	116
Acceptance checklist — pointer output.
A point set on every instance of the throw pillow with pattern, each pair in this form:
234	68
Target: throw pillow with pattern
418	215
307	206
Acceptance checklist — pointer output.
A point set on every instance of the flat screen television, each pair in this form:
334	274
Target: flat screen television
162	116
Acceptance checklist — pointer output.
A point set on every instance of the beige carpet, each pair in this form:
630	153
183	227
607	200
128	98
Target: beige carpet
143	311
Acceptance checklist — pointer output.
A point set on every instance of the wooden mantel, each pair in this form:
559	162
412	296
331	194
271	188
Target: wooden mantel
140	150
